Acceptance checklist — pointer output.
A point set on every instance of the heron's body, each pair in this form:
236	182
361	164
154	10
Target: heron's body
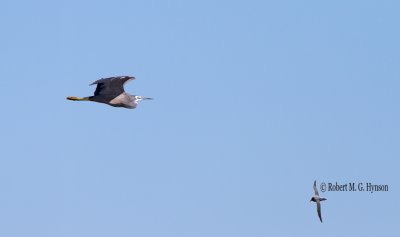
317	199
111	91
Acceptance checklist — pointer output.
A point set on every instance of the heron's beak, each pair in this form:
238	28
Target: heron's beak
147	98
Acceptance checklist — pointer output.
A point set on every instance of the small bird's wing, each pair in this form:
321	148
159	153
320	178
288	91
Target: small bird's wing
319	210
315	188
111	86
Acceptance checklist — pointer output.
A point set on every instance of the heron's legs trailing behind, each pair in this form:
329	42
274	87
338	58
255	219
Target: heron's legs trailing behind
78	98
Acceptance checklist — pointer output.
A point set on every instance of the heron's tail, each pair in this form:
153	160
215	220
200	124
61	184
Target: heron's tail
77	98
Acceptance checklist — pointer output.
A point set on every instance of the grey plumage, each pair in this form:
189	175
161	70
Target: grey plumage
317	199
110	87
111	91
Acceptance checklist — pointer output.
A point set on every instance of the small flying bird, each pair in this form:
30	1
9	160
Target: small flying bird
317	199
111	91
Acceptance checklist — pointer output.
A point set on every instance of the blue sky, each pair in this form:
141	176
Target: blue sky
254	100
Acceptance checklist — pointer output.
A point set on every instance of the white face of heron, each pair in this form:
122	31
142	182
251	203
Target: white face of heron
138	98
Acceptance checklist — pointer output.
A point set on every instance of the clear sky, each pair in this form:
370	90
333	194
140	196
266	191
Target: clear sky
254	100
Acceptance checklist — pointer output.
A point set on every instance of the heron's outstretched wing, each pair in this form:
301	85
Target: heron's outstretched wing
315	188
111	86
319	210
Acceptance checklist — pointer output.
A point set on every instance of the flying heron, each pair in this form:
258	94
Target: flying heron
111	91
317	199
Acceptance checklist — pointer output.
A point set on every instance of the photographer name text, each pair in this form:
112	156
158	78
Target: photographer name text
354	187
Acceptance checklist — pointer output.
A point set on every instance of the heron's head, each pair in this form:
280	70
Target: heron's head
139	98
